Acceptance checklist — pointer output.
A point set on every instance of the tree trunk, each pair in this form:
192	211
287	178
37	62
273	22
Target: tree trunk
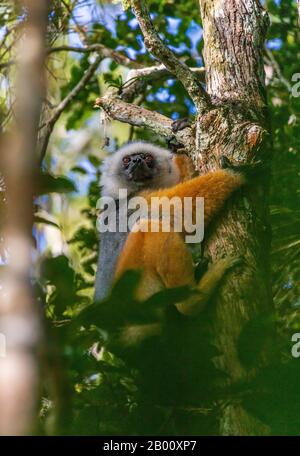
236	126
19	313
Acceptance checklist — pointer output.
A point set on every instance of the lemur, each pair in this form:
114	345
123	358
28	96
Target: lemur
151	171
168	345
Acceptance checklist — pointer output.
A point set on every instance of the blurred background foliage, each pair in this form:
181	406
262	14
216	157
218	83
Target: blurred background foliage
95	391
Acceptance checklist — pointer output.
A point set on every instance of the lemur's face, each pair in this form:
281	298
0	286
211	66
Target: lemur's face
136	167
139	167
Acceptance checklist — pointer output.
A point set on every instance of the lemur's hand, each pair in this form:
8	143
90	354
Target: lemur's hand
180	124
253	169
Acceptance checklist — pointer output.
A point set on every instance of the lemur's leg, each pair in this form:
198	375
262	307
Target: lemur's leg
156	254
166	263
134	334
207	286
163	257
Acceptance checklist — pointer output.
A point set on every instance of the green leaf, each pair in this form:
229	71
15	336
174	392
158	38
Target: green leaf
55	184
45	221
79	170
95	161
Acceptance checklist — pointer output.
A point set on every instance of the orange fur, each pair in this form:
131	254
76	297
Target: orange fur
215	187
185	166
164	257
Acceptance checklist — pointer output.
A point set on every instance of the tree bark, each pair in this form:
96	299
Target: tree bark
236	126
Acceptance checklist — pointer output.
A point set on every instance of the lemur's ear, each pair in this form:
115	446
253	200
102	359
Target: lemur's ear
185	166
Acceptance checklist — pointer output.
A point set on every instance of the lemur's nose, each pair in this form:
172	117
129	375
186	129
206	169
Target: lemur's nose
137	159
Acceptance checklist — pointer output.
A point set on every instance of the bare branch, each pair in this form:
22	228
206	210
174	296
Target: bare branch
136	115
141	117
8	30
7	64
137	79
80	29
48	127
155	45
103	51
277	69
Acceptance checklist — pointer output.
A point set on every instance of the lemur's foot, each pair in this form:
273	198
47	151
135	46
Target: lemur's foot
231	262
248	170
132	335
180	124
201	267
222	266
203	263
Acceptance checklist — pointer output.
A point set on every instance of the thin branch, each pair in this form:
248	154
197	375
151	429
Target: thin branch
141	117
104	51
277	69
155	45
7	64
137	79
9	30
8	48
64	103
79	29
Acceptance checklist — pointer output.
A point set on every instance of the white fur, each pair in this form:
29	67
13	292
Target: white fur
167	173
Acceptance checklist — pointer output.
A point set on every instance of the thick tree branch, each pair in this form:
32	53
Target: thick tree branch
141	117
48	127
155	45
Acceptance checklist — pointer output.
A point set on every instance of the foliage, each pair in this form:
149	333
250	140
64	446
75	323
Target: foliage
100	389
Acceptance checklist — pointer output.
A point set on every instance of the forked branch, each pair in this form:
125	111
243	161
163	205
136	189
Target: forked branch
156	46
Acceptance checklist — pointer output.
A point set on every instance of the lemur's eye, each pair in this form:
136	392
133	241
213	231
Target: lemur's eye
149	158
126	160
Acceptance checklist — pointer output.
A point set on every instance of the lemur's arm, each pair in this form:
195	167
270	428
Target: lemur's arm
215	187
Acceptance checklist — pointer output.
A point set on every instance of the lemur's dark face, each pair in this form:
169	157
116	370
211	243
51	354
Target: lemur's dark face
138	167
